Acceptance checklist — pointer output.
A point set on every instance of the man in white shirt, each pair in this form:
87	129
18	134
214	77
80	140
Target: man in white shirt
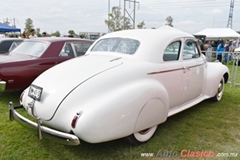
33	35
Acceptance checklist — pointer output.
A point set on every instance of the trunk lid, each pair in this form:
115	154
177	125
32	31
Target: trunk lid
5	58
59	81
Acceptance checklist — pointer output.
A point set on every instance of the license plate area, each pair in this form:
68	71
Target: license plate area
35	92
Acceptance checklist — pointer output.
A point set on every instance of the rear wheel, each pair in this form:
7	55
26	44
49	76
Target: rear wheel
141	136
220	91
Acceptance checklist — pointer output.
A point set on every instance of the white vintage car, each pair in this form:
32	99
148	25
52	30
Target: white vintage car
127	83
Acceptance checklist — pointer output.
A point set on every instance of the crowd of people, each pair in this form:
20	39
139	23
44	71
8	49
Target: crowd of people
223	49
32	34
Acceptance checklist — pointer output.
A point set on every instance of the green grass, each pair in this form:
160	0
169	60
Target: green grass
208	126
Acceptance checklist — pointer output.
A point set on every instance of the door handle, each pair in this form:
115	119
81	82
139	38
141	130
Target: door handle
185	69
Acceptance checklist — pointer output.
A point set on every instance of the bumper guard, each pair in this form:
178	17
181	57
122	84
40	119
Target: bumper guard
43	131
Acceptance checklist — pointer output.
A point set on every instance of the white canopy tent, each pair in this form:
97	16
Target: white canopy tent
218	33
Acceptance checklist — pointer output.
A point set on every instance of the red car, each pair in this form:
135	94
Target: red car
33	56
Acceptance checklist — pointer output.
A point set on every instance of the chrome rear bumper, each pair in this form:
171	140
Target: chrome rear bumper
43	131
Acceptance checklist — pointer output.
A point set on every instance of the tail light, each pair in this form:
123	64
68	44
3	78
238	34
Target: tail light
75	119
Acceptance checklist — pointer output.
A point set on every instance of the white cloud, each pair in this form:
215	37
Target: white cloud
217	12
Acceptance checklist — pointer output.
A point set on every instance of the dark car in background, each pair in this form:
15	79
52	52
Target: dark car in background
8	44
33	56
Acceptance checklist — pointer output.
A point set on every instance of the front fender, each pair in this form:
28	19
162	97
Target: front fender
214	73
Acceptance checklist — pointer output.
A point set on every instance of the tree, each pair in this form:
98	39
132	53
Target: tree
116	20
83	35
71	32
169	20
28	25
127	24
38	32
141	25
56	34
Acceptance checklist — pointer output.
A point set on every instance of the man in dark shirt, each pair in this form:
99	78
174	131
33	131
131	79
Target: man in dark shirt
227	54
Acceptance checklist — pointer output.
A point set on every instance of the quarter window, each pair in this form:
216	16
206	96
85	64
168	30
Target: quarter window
81	48
172	52
67	51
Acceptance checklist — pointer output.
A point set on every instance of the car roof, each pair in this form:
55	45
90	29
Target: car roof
153	42
57	39
163	33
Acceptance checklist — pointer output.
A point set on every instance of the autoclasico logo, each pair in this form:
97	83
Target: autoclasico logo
197	154
188	154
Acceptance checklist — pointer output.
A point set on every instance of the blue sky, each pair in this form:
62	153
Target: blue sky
88	16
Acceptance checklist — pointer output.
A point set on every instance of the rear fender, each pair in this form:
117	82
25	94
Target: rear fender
153	113
119	112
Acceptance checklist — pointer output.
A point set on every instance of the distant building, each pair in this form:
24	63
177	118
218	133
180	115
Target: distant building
91	35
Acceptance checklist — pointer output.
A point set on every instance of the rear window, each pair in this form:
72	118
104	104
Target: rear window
120	45
35	49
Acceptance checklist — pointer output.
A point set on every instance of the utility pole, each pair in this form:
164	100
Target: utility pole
132	14
108	13
229	24
14	24
5	21
8	21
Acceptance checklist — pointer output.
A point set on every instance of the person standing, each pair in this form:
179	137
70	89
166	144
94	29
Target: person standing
24	35
207	46
44	34
220	50
208	50
33	35
227	54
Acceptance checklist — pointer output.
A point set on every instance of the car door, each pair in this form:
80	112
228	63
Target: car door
193	65
171	74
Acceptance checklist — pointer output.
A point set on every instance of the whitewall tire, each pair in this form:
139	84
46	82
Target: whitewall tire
220	91
141	136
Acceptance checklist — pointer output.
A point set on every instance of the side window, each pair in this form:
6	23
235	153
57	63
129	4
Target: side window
67	51
81	48
172	52
190	50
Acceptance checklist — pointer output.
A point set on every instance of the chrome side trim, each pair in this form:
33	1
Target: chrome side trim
159	72
2	86
177	69
196	65
43	131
